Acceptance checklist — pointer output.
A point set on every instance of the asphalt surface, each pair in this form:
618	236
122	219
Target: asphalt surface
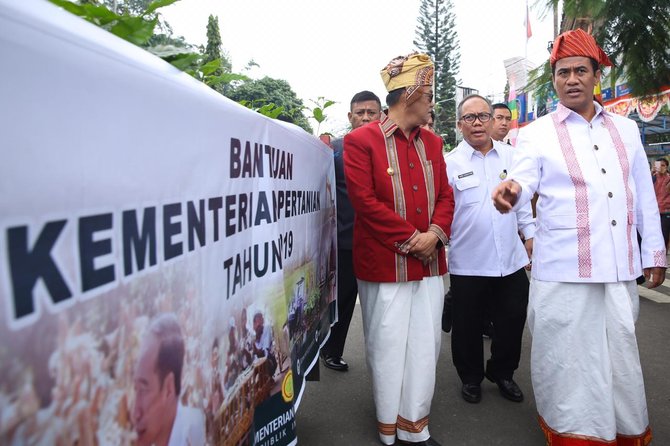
338	409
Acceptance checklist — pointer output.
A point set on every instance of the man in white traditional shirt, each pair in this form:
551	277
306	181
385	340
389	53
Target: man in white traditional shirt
486	257
591	173
158	417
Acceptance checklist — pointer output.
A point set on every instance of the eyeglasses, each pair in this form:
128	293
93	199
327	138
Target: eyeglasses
471	118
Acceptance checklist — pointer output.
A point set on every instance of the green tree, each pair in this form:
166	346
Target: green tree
263	92
214	49
163	34
436	36
140	29
635	35
135	28
133	7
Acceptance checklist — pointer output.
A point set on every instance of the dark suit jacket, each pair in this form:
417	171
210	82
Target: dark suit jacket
345	212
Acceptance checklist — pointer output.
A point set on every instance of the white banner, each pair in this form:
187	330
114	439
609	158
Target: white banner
166	255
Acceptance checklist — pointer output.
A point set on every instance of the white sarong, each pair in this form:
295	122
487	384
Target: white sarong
585	364
402	325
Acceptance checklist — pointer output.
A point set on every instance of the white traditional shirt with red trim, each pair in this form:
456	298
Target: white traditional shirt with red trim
595	194
398	188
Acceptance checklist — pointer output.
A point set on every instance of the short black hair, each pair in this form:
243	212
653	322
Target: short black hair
363	96
394	96
500	105
594	65
663	160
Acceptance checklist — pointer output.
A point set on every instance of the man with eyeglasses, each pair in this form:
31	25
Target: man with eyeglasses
596	194
486	257
502	118
397	184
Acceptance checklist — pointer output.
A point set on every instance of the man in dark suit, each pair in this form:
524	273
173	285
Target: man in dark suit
365	108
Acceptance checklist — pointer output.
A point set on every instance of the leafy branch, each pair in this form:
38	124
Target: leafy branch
318	114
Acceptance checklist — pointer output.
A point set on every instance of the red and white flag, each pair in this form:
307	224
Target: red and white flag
529	32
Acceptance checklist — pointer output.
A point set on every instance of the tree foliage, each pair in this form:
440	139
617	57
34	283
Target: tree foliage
635	35
139	27
137	22
278	92
318	111
436	36
214	48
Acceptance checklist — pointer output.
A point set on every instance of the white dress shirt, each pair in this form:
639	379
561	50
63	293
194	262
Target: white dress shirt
595	193
188	428
483	241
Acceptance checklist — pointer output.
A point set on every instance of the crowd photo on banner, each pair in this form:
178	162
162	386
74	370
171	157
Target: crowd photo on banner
177	263
145	303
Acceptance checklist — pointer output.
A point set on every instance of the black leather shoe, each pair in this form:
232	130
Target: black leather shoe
334	363
429	442
472	393
508	388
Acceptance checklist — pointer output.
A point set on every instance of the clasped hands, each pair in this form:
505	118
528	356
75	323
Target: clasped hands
423	246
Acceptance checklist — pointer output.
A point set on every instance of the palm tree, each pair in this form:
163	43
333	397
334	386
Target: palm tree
635	34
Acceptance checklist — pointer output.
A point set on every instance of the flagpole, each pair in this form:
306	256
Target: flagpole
527	25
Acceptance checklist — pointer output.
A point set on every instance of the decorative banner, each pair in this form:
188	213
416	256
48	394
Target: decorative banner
622	107
622	90
520	106
608	94
647	107
552	101
167	256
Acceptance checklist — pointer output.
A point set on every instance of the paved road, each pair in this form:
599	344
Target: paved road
338	410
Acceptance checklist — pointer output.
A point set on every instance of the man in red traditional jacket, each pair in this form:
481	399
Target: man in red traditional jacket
397	183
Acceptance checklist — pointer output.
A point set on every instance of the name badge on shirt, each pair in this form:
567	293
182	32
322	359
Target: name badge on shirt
466	174
503	174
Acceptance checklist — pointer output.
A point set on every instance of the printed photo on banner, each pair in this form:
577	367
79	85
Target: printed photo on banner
167	282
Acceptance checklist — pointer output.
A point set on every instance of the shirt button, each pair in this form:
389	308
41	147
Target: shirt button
610	194
418	210
613	222
595	147
415	188
411	165
603	170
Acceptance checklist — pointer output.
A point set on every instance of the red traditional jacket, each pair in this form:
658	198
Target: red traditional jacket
397	187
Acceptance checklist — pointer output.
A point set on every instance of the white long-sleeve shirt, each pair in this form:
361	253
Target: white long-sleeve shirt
483	241
595	194
188	428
